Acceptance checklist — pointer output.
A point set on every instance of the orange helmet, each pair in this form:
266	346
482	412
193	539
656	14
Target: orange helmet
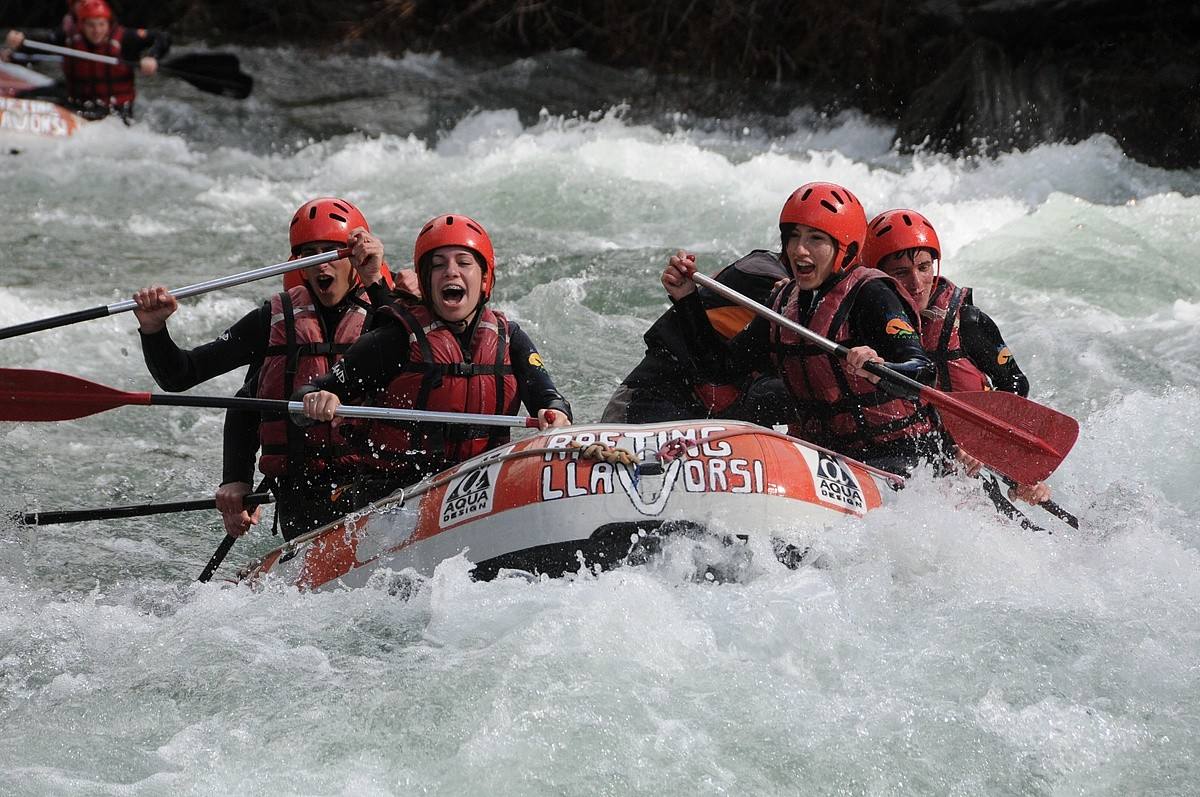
91	9
833	210
896	231
455	230
325	218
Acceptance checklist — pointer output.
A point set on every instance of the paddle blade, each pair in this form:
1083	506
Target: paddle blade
29	395
983	433
215	73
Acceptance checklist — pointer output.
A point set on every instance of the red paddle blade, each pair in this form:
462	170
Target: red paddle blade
1020	438
29	395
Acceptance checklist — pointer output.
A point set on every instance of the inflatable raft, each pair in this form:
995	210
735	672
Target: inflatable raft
583	496
37	117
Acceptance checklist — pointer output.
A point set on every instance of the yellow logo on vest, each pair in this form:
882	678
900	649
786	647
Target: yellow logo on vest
1003	356
535	360
898	326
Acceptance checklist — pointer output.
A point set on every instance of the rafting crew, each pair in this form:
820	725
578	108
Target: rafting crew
837	404
450	353
964	343
664	386
93	89
293	337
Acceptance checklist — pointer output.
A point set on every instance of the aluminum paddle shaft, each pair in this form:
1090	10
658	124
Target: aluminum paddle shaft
31	395
181	293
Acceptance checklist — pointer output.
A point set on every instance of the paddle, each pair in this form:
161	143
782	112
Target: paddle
218	556
1049	506
1010	434
135	510
181	293
215	73
31	395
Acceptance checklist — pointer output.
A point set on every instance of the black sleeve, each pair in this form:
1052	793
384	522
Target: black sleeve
714	359
368	365
241	439
139	43
176	369
983	345
537	388
880	319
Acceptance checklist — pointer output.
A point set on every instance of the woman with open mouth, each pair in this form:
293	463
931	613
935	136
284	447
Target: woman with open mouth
839	405
450	353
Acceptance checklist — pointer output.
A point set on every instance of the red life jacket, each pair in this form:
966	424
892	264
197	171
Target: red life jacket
438	376
837	408
939	336
298	351
110	85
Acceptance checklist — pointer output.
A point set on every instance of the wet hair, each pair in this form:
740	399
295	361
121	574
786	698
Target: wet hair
908	254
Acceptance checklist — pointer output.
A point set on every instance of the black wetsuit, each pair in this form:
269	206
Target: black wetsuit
300	506
982	342
662	387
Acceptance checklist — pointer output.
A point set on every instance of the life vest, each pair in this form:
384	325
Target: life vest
110	85
836	407
940	337
298	351
729	319
438	376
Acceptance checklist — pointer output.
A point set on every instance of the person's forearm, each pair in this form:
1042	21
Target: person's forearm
240	446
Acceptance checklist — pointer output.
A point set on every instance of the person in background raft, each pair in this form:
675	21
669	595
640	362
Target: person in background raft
963	342
92	89
664	386
838	405
451	353
289	339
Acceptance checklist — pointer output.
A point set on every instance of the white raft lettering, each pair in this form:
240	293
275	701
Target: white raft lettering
639	441
566	481
33	120
723	475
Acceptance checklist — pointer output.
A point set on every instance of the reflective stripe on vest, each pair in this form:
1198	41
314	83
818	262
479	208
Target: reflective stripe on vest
836	407
940	337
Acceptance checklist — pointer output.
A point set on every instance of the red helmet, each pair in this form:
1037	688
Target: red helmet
455	230
91	9
833	210
896	231
326	218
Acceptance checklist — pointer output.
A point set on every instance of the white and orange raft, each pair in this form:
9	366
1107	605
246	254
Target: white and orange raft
38	117
583	494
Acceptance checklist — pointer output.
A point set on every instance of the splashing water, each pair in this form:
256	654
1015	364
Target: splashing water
940	650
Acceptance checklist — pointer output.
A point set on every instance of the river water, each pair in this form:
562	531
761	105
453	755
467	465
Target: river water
943	650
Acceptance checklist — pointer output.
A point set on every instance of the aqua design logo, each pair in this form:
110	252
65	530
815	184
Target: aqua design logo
834	481
471	494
